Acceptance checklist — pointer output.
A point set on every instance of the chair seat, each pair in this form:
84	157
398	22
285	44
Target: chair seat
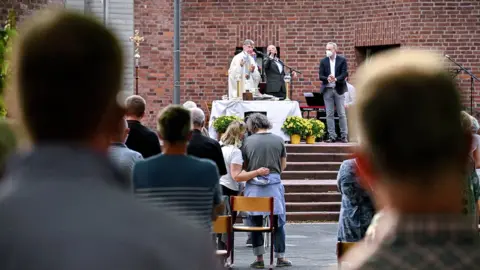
245	228
221	253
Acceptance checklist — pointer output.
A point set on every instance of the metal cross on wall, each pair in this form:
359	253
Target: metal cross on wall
136	39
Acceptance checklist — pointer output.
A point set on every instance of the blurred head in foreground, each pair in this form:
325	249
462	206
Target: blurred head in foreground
67	71
413	150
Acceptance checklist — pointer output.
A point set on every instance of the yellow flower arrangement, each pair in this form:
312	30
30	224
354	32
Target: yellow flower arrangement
315	128
295	125
221	123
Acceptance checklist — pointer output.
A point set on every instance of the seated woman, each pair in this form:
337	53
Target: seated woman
357	210
264	149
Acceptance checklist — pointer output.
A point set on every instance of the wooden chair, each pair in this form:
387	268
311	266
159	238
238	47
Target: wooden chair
252	204
342	248
223	224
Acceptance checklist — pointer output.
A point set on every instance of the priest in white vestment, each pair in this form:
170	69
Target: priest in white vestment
244	68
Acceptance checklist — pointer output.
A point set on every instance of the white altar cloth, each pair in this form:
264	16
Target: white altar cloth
277	112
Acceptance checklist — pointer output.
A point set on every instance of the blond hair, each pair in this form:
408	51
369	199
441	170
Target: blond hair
233	135
466	121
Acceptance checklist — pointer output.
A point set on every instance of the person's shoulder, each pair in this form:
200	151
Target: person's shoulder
348	164
210	141
134	154
341	58
151	161
324	59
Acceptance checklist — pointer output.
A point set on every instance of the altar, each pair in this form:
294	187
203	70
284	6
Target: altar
276	111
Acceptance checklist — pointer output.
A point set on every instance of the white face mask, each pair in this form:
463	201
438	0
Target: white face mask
329	53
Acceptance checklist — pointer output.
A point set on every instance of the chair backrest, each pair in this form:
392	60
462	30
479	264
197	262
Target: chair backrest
342	248
222	224
251	204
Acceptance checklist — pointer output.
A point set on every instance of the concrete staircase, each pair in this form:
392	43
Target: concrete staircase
310	181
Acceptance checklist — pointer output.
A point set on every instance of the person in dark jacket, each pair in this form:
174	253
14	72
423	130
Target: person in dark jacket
140	138
202	146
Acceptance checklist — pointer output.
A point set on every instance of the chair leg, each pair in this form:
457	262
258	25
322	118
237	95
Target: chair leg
271	248
232	247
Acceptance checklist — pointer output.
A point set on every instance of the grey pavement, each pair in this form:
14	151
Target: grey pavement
309	246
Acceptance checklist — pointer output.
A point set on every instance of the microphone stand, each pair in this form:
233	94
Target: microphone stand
472	79
284	66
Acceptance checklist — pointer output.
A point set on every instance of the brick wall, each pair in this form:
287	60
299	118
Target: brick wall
211	29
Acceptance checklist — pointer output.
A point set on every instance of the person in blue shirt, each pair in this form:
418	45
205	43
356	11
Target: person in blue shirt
189	185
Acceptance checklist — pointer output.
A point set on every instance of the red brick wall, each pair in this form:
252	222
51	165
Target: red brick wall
211	29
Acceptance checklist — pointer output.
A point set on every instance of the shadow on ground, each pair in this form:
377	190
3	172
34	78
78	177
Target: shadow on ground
309	246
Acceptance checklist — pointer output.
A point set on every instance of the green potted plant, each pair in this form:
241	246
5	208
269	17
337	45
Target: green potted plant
316	129
6	35
296	127
221	123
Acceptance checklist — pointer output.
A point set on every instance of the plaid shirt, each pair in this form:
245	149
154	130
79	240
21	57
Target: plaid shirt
419	242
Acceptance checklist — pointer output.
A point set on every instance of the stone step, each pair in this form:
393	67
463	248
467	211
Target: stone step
317	157
331	196
321	148
312	216
306	175
317	186
313	206
313	166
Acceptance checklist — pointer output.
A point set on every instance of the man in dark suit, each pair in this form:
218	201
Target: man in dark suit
332	73
201	146
140	138
275	71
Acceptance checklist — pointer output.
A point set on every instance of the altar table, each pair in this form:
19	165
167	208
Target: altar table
277	112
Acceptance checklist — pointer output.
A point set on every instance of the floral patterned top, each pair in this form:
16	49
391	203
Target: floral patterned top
357	209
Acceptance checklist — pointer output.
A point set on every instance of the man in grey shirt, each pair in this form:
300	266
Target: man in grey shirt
123	157
63	206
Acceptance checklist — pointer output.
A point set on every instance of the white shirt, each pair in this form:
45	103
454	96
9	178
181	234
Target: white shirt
279	65
332	70
231	155
350	95
237	70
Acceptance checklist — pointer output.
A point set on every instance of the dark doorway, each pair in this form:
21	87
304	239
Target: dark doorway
365	53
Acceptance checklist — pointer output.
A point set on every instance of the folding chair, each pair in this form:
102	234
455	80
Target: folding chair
252	204
342	248
223	224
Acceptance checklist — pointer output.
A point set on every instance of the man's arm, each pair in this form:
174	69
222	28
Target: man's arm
284	157
343	70
256	76
235	68
156	148
218	206
321	70
266	63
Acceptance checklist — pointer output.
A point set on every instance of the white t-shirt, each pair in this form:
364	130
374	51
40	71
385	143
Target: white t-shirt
231	155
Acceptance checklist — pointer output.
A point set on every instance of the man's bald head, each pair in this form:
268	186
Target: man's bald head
271	49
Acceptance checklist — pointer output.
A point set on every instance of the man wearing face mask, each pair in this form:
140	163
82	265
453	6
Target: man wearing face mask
244	68
275	71
332	73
